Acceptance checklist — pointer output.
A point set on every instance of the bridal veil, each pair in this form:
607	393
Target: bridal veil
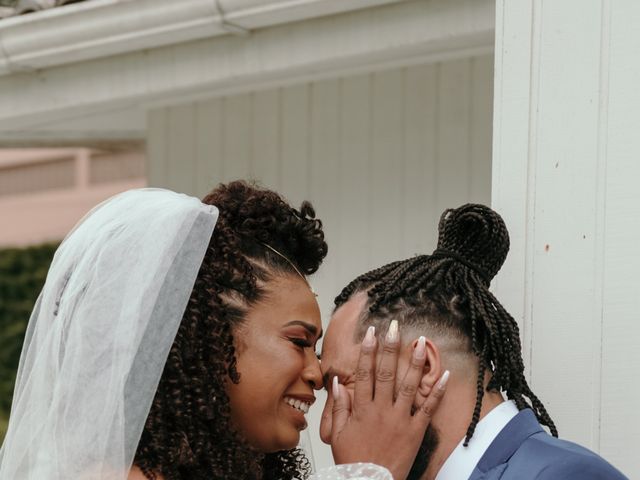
99	336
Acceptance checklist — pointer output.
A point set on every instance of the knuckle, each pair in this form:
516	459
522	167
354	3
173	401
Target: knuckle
385	375
390	348
416	364
408	390
427	409
362	374
366	351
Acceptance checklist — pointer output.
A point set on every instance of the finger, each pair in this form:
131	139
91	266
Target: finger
409	388
425	413
386	372
364	376
424	389
341	408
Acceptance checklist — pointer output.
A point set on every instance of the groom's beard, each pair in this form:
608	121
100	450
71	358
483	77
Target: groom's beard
427	448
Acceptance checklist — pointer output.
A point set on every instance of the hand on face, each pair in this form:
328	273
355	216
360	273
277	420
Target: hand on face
379	426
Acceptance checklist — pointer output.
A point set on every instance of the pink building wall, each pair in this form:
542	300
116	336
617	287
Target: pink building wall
44	192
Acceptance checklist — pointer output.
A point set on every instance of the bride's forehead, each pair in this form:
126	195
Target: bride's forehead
285	300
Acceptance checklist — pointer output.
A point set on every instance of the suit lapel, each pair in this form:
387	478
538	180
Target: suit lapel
494	460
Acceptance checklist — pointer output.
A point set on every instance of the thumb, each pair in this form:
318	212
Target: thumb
341	408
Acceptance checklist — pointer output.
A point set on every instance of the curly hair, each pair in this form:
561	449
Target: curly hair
188	433
449	291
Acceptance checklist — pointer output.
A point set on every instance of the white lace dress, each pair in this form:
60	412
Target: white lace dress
353	471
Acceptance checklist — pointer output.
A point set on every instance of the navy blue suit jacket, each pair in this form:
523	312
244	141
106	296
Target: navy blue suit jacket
524	451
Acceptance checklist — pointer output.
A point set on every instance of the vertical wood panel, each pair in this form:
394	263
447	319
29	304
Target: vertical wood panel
453	134
181	149
295	144
209	153
156	147
566	149
325	134
481	93
237	136
387	165
621	299
354	251
419	184
566	180
515	88
266	138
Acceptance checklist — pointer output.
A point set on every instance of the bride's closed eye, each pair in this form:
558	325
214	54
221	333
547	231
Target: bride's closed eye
300	342
303	343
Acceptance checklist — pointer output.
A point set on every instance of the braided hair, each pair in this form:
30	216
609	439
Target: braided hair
188	433
449	291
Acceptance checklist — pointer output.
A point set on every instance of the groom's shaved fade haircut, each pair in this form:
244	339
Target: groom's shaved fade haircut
449	291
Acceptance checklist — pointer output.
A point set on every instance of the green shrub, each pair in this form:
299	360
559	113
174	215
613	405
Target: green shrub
22	275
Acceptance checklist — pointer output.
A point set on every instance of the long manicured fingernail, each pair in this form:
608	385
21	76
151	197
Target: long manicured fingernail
392	333
421	348
370	337
335	389
443	380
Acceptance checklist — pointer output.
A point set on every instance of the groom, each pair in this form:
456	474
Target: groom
475	434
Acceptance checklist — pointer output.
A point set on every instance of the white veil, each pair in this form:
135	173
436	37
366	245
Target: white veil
100	334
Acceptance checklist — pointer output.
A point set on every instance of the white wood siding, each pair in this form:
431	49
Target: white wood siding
380	155
565	175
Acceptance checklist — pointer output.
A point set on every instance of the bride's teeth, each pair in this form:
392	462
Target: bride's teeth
297	404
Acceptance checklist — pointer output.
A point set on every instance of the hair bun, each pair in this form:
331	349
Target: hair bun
476	235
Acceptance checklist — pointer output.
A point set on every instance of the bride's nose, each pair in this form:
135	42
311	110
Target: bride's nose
312	373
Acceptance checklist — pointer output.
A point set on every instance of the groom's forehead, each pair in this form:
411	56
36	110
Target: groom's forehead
340	345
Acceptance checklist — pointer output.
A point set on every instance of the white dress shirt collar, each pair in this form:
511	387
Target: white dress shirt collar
460	464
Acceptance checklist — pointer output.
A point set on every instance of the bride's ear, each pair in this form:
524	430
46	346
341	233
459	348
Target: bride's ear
432	371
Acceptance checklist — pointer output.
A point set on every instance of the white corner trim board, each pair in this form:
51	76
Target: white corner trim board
101	28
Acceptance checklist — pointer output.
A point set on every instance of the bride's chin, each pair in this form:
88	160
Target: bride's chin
284	441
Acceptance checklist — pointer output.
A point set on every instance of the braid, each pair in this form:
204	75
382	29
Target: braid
478	406
450	289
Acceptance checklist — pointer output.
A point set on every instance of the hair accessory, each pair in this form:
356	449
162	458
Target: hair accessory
292	266
443	253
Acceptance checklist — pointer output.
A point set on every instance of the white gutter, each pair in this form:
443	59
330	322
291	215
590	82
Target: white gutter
101	28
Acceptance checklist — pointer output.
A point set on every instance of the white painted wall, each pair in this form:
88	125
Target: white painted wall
565	176
380	155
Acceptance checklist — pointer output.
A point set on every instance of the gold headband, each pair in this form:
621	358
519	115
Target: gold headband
292	266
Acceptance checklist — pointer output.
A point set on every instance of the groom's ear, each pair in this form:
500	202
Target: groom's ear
431	373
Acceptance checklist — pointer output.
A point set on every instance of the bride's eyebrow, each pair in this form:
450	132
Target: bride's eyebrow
312	329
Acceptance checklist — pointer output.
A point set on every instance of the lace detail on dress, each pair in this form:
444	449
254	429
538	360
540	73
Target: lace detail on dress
353	471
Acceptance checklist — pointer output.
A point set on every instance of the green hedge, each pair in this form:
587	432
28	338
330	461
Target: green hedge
22	275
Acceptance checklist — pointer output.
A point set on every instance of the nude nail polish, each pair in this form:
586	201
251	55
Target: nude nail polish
335	389
370	337
392	333
421	348
443	380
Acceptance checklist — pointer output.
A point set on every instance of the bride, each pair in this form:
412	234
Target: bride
175	339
